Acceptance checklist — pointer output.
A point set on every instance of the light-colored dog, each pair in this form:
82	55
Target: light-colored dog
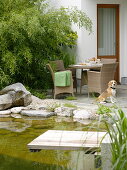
110	92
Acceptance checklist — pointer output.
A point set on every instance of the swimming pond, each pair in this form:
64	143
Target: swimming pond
15	134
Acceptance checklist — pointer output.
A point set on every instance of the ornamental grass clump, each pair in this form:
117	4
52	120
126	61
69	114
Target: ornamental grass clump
118	135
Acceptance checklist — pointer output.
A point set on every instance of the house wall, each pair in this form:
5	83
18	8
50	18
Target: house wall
87	44
65	3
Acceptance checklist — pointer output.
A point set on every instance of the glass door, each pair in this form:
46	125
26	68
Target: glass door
108	32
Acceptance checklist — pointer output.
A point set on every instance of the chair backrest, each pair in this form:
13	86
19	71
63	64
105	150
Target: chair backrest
107	60
107	74
59	65
55	66
51	71
109	68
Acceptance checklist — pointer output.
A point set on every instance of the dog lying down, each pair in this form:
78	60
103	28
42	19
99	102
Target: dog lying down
110	92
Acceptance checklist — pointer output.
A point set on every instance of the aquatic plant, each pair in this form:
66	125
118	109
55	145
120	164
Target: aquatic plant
118	135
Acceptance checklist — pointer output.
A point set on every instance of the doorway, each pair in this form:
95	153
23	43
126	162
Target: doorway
108	32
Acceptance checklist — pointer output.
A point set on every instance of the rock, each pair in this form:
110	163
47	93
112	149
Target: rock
5	101
14	95
17	116
42	113
42	107
64	111
82	114
5	112
94	116
16	109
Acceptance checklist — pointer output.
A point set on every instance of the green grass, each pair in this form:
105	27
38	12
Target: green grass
71	98
70	105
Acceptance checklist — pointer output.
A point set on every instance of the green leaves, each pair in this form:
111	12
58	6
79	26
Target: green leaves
9	61
103	109
3	78
118	134
81	19
31	35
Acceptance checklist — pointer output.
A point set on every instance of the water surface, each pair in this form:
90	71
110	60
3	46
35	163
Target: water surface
15	134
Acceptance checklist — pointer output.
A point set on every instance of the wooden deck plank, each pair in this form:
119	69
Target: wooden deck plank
67	140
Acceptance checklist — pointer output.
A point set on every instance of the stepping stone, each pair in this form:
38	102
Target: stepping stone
41	113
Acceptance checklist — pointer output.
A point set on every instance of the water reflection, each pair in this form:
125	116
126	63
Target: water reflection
15	134
14	126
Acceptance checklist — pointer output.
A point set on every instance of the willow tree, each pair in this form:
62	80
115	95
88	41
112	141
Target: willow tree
31	34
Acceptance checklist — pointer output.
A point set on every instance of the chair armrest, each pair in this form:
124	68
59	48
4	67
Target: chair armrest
73	70
94	76
93	72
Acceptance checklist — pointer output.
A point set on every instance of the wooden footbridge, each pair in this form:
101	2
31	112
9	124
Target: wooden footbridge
67	140
75	140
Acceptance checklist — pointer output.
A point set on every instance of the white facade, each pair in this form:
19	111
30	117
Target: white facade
87	44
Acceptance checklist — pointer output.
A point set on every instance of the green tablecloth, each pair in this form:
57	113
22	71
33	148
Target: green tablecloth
63	78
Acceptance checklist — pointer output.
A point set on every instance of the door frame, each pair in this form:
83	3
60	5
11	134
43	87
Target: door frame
116	6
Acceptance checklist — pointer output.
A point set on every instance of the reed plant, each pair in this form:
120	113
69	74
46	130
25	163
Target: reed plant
118	135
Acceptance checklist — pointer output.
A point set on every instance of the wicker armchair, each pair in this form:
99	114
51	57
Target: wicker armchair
84	78
59	66
98	81
107	61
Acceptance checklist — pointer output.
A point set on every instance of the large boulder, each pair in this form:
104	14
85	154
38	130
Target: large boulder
14	95
5	101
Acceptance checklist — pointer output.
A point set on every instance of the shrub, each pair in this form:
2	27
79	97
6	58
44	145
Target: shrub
31	34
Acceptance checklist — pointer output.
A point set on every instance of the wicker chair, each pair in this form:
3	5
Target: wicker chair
98	81
107	61
84	76
83	80
59	66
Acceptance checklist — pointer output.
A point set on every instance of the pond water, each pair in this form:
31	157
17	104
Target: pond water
15	134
